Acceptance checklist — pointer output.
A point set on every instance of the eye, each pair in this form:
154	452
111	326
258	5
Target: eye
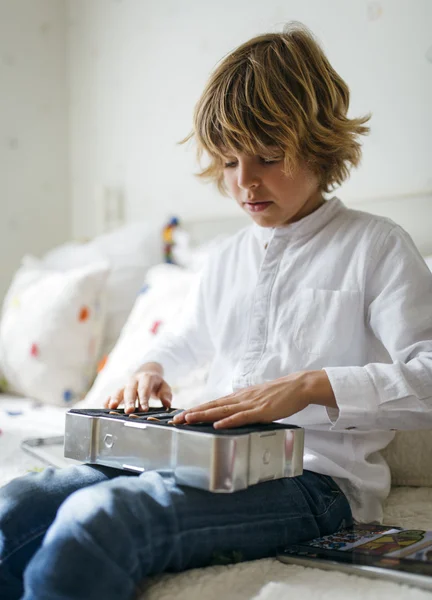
230	164
270	161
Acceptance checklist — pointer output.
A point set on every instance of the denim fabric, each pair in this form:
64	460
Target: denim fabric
95	532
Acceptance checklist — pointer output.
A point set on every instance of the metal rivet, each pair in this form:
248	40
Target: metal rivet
108	440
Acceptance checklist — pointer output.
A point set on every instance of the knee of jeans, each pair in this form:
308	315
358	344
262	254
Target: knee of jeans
96	516
83	505
19	493
23	512
92	509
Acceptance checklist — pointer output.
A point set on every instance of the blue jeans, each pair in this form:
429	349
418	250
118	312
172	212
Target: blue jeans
94	532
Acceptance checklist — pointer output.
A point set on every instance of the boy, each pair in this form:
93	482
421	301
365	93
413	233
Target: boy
316	314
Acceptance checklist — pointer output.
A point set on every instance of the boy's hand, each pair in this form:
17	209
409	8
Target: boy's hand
265	402
146	383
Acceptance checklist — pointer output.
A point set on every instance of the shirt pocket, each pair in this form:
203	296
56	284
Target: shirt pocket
325	320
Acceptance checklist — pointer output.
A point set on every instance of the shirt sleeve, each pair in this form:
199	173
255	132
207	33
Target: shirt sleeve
187	343
397	395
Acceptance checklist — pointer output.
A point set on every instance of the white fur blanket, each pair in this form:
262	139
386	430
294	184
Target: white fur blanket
259	580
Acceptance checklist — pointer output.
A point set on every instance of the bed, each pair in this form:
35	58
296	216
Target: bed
265	579
409	506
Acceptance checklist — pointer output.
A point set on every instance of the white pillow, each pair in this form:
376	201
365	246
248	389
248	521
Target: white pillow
193	257
164	293
3	382
51	330
129	251
409	458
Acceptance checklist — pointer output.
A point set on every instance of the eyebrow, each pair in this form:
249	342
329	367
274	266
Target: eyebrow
272	150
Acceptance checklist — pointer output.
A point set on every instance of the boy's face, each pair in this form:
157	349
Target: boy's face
266	193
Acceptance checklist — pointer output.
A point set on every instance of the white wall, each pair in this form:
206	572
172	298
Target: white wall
33	130
138	67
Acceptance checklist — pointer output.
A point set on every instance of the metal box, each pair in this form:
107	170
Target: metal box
200	456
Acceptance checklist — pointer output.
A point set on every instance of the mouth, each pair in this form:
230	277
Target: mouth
256	206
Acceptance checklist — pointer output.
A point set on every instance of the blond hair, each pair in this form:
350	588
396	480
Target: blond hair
278	90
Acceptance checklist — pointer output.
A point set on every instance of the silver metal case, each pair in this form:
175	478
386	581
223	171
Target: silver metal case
211	461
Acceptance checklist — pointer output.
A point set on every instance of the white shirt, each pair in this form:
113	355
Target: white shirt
340	290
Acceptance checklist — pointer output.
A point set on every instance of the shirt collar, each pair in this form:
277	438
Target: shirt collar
306	226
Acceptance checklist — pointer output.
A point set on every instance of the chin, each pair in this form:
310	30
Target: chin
265	220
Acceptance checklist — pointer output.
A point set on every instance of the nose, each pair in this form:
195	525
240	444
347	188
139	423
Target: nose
247	176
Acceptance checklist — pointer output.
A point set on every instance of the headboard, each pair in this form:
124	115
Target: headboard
413	212
203	230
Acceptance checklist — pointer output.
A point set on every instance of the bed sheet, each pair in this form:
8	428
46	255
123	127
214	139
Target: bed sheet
22	418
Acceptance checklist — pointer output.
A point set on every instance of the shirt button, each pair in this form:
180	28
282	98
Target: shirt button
265	246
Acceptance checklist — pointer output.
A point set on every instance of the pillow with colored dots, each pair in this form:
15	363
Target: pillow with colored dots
159	303
51	330
130	251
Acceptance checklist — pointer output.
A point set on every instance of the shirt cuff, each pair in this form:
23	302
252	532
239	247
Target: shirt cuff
356	398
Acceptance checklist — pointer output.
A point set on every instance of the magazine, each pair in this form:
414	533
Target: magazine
377	551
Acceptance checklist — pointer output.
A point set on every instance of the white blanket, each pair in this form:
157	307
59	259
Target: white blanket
265	579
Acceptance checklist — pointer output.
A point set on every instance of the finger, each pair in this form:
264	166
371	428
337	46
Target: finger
116	399
129	396
245	417
144	391
231	399
213	414
165	395
214	404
